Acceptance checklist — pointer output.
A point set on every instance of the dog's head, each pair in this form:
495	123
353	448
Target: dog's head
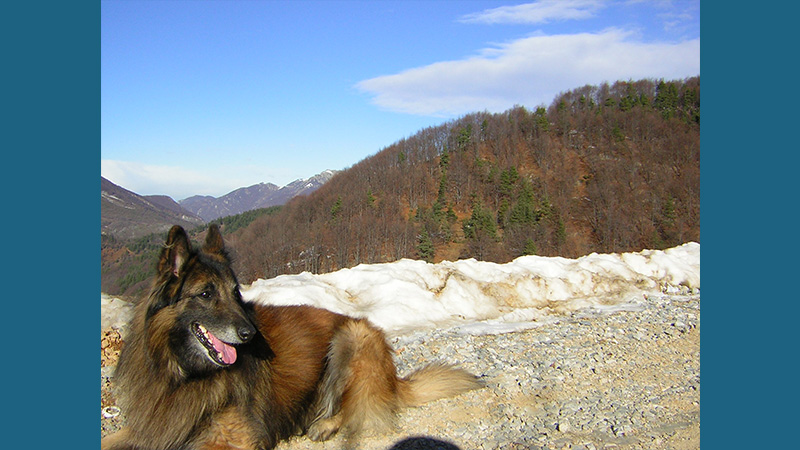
195	310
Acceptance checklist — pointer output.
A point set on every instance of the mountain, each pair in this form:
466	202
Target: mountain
262	195
127	215
238	201
302	187
605	169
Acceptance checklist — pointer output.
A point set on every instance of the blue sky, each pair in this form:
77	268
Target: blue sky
203	97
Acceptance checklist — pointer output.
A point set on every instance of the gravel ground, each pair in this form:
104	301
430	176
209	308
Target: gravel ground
617	380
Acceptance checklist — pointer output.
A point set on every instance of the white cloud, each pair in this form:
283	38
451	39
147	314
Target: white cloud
539	12
181	182
676	21
145	179
530	71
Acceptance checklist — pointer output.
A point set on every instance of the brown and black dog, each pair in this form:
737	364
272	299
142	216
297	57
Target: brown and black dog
201	369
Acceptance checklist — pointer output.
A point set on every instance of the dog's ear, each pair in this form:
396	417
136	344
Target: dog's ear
214	243
175	253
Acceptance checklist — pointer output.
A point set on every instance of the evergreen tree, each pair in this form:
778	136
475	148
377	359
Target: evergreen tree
502	213
336	208
444	159
541	120
561	232
524	211
630	99
481	221
690	104
508	178
425	249
644	101
464	137
530	247
666	99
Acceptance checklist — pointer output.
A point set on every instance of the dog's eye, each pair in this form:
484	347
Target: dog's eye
205	294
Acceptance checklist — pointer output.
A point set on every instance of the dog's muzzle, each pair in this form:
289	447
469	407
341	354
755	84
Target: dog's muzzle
220	352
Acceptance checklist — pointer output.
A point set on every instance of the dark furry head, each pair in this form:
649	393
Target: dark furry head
194	315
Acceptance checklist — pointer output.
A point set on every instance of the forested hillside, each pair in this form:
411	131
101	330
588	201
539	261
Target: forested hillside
128	265
606	168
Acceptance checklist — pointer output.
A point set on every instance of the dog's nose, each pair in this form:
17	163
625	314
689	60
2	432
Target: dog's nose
246	333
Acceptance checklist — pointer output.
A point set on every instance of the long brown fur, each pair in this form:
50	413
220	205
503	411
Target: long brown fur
297	369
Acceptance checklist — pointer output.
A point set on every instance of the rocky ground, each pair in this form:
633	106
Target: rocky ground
621	380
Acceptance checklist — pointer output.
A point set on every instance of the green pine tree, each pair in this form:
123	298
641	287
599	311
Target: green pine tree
425	248
666	99
529	248
336	208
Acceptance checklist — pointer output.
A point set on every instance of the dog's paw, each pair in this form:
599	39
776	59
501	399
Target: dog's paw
324	429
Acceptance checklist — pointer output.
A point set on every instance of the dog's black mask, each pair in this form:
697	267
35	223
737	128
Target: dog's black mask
198	294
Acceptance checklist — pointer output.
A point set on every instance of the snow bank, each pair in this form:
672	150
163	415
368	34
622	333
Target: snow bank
482	297
114	313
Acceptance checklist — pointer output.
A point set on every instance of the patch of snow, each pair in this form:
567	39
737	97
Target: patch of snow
482	297
114	313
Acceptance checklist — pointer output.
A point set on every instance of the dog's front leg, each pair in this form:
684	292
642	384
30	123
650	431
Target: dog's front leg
228	430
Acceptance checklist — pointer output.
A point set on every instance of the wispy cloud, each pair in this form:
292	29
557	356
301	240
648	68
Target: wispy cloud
181	182
146	179
678	20
536	13
530	71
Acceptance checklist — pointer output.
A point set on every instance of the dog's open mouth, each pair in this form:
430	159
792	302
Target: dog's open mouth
219	352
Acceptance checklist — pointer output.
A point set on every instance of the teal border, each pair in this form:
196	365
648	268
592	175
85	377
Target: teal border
749	195
51	212
51	163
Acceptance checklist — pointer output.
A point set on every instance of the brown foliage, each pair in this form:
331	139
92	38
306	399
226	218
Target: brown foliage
603	169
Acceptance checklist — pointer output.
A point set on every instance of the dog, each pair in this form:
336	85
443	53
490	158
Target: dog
201	369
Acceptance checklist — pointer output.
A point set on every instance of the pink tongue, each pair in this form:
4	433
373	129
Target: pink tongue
228	352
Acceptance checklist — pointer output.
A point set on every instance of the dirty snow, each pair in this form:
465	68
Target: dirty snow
487	298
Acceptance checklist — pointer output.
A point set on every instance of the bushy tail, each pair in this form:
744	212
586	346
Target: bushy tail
360	382
433	382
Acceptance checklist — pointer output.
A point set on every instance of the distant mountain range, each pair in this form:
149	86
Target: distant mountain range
262	195
127	215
